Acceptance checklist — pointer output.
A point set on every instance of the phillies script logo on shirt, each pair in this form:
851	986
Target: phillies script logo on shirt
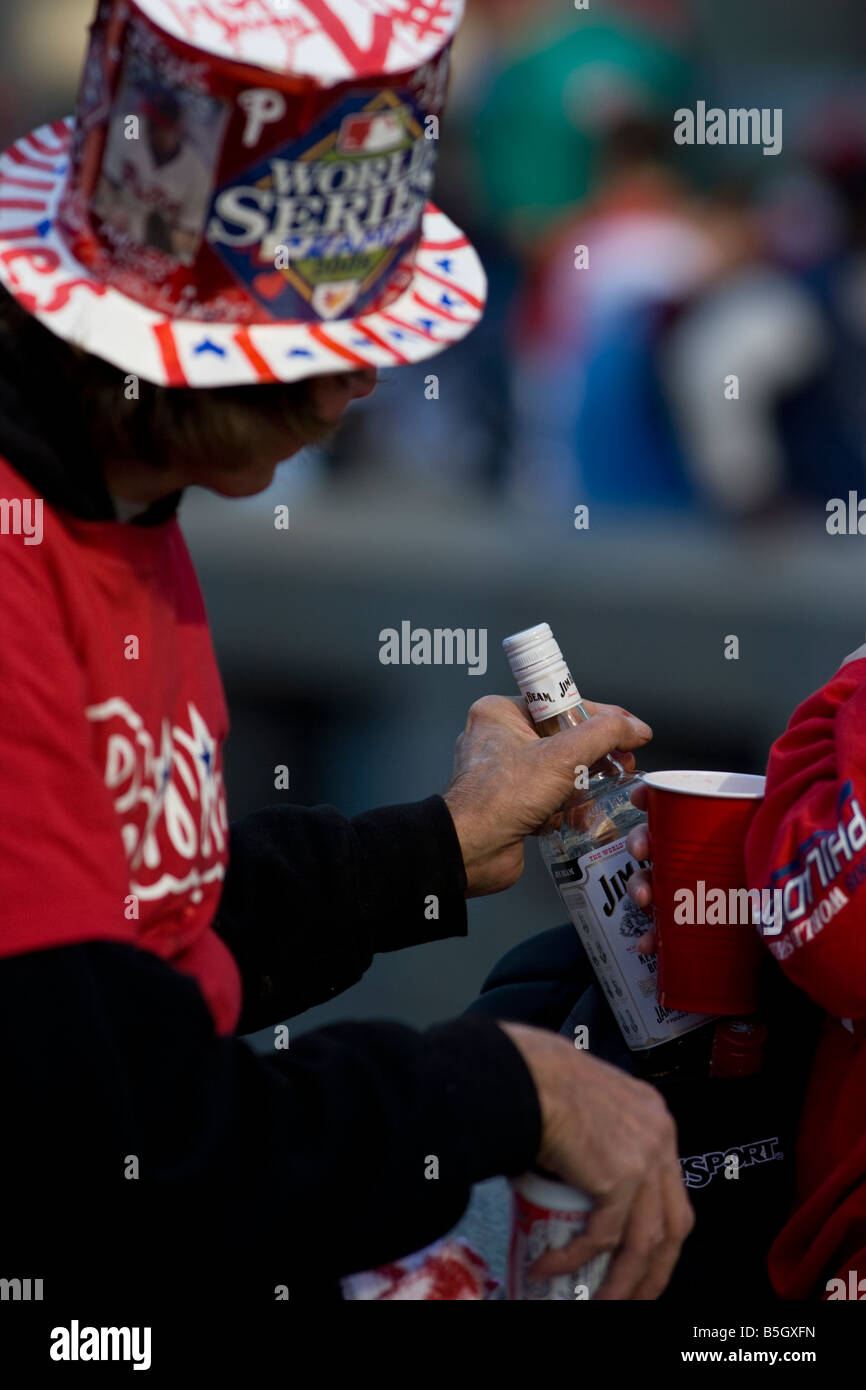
170	800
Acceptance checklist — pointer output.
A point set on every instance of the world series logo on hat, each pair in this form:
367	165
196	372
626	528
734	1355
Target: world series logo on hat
244	193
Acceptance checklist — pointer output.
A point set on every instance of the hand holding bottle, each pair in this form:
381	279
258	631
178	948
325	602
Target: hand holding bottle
507	782
640	885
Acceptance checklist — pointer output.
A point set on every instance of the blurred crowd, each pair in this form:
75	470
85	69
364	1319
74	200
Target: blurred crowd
706	352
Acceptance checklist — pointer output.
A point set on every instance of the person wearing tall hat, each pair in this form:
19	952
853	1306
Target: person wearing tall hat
147	1151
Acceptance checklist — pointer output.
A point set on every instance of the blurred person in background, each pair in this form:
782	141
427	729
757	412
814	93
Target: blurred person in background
542	118
593	422
815	226
536	89
749	339
610	383
786	321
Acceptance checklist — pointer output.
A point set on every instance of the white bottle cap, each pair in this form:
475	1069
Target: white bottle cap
524	648
539	668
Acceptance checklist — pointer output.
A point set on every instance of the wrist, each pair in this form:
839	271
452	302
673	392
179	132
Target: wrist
491	864
462	821
547	1055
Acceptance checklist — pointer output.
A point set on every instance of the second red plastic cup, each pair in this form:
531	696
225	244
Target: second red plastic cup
709	947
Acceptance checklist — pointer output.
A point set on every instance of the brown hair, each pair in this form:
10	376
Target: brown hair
226	425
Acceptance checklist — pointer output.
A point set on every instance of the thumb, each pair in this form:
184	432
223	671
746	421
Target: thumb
600	734
604	1232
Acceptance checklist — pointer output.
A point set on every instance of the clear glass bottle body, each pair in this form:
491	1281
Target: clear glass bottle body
584	849
594	815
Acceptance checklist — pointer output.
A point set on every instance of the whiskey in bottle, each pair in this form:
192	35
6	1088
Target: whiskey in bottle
584	848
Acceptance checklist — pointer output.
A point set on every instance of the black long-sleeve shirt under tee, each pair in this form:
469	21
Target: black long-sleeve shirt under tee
145	1147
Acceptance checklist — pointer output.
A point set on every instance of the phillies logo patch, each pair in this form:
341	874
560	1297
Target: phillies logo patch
169	798
376	133
313	230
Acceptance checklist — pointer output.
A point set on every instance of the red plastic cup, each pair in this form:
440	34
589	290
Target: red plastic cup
698	823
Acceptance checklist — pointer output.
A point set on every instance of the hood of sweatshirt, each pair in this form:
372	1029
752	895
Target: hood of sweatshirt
44	437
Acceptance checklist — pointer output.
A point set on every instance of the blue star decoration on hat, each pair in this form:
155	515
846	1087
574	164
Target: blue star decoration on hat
207	346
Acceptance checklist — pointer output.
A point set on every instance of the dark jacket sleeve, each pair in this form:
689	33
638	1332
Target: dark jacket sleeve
311	896
138	1140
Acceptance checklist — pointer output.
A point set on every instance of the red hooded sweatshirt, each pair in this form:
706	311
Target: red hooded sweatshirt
809	841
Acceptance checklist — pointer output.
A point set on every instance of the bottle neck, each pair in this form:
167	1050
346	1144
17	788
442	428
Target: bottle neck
570	718
550	690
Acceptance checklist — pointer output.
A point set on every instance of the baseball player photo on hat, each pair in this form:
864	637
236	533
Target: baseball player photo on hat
244	193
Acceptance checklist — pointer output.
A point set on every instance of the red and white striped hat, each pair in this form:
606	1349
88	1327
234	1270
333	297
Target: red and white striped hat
243	194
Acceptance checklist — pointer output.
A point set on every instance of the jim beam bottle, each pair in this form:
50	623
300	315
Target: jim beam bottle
584	848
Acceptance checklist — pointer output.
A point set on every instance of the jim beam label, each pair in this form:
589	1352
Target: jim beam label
550	693
593	889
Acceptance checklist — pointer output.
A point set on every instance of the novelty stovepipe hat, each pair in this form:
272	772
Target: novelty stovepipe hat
243	195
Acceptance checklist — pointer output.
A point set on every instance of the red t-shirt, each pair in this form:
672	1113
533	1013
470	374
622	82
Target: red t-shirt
113	818
809	840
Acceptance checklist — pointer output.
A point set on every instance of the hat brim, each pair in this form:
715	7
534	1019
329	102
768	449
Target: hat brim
443	301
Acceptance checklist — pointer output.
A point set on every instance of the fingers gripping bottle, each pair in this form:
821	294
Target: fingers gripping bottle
584	848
